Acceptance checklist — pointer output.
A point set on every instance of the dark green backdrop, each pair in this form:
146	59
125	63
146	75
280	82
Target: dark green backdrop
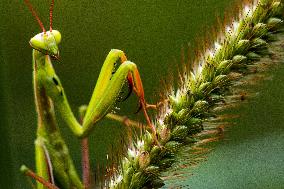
151	32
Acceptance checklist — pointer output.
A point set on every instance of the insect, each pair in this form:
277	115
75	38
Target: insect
53	161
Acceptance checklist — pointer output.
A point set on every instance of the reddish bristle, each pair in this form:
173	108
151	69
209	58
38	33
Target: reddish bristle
28	3
50	14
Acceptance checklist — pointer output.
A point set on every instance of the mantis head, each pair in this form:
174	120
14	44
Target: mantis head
47	41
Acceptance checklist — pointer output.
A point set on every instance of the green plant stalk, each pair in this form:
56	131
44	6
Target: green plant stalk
245	40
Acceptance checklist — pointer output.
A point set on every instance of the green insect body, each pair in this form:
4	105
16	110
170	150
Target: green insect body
53	161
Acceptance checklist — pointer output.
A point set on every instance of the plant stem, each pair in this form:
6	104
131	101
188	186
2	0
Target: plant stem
85	162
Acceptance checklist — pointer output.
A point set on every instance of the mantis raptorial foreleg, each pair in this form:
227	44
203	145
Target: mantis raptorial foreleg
104	96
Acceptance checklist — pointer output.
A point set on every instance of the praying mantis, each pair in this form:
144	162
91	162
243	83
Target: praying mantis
53	161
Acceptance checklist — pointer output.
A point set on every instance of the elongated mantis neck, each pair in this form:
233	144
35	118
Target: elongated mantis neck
43	71
44	106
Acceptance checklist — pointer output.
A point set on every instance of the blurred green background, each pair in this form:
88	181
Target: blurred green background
151	32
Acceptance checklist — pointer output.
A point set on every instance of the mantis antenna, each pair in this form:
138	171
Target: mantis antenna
28	3
50	15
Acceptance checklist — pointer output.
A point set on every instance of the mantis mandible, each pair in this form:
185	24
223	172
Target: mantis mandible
53	160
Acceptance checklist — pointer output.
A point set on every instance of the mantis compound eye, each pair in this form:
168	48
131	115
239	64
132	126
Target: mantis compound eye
57	36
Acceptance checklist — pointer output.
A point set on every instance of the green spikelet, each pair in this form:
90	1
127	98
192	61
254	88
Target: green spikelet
243	42
224	67
179	133
242	46
274	23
